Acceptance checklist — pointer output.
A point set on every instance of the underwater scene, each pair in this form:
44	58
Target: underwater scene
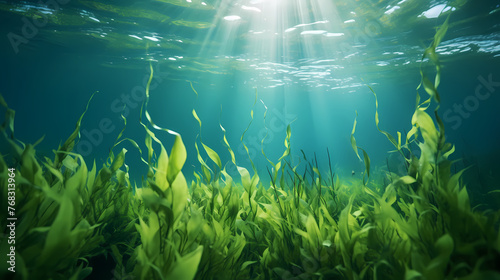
250	139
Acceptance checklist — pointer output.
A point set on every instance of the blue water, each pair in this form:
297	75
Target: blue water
310	65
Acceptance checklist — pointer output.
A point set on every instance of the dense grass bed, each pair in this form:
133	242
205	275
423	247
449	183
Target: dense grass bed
79	221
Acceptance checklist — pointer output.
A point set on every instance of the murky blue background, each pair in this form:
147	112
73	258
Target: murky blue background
309	61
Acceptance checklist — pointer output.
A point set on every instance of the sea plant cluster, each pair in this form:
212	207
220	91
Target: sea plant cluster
303	224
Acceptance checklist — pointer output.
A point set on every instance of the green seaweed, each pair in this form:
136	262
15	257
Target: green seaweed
420	225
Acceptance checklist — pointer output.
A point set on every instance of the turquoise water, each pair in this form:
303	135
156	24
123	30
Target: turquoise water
250	68
309	61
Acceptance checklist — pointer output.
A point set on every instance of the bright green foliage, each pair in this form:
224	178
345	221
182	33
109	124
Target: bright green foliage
303	224
66	214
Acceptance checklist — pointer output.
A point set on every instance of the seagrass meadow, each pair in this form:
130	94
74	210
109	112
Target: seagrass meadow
159	201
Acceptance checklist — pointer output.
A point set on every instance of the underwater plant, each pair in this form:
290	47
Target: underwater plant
303	224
